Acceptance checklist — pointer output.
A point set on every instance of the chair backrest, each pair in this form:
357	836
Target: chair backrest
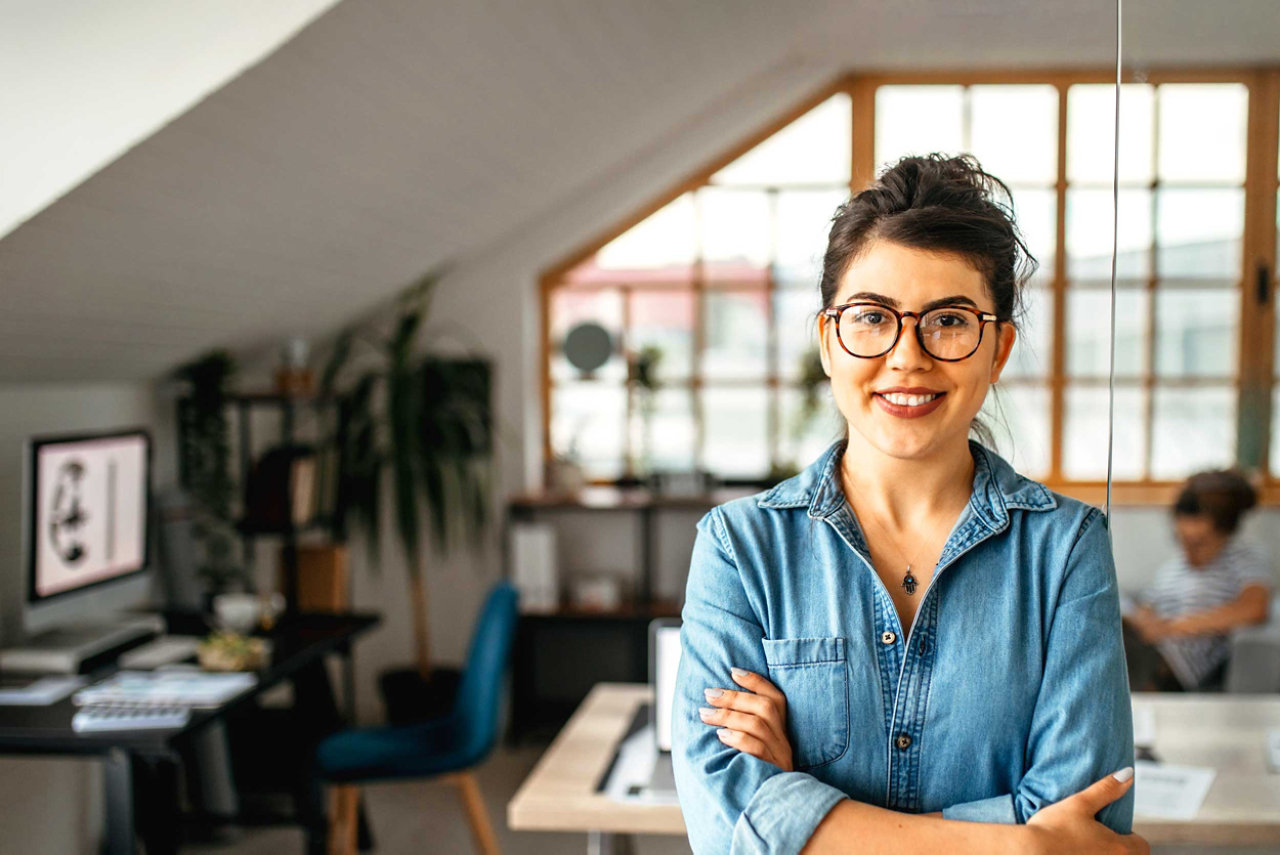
476	709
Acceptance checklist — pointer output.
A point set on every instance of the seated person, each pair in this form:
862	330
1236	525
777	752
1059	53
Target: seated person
1177	638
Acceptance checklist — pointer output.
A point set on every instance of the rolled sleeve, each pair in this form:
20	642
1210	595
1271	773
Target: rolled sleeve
1082	727
732	802
994	809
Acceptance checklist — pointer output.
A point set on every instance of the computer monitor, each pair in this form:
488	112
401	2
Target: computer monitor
87	545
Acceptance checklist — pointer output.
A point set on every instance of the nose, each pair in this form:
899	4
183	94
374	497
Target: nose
907	354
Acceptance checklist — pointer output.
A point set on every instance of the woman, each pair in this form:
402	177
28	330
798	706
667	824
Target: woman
1177	638
908	633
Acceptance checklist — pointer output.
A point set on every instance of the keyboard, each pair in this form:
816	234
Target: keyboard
100	717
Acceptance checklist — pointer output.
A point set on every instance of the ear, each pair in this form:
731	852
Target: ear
1004	347
823	336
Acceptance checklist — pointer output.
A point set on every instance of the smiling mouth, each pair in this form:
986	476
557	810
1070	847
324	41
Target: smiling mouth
904	400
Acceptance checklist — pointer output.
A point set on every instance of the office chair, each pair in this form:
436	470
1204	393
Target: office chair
450	746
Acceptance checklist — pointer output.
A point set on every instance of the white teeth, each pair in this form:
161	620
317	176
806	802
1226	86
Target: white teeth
908	400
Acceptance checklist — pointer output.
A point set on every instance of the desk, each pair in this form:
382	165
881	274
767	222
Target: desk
1224	731
299	646
1227	732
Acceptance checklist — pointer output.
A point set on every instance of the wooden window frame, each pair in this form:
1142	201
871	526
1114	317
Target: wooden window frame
1255	377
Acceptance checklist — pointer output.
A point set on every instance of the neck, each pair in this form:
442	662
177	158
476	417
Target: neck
902	492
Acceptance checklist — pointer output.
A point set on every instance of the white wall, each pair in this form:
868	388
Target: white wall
55	804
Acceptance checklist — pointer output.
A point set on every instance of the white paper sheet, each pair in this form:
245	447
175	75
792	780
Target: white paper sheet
41	692
1162	791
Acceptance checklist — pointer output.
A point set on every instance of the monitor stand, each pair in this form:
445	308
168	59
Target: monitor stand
63	650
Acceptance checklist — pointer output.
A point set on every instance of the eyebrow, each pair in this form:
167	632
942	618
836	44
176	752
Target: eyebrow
892	303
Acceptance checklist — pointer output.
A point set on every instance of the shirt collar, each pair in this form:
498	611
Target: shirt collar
996	487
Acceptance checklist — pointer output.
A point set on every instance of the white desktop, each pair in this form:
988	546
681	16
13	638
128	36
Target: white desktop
86	507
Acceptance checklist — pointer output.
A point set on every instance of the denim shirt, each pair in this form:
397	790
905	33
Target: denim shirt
1008	693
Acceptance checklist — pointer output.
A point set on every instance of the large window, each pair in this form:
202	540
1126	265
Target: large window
720	282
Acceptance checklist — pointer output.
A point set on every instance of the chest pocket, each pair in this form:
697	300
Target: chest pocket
814	675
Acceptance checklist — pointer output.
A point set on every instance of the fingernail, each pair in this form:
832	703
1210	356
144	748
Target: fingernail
1124	774
713	693
723	732
739	672
706	712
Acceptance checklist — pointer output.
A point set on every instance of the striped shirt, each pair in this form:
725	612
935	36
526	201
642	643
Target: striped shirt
1180	589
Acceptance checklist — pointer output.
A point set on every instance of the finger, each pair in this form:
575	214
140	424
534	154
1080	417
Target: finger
1099	794
742	722
754	682
749	702
746	743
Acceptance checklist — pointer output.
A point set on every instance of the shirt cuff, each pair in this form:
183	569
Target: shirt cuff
783	814
994	809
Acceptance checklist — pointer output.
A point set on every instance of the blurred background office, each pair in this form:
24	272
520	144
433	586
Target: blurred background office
594	230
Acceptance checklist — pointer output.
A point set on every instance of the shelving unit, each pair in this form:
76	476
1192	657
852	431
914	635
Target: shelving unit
561	653
289	406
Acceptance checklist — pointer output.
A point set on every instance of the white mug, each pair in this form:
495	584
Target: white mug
243	612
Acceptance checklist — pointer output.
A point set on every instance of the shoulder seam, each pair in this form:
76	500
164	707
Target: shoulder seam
717	519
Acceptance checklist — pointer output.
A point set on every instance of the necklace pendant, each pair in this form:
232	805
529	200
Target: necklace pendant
909	583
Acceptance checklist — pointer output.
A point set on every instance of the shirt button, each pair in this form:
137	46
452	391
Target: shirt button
888	636
924	645
903	741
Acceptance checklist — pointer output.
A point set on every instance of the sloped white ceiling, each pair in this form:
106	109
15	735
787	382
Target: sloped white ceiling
391	135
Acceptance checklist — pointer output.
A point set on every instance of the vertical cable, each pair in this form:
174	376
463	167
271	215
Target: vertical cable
1115	242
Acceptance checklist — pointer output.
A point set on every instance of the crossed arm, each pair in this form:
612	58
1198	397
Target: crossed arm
1251	607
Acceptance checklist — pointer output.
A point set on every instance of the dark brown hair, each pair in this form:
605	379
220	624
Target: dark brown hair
1221	494
939	204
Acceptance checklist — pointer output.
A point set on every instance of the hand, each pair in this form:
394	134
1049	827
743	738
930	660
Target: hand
1150	626
753	721
1069	827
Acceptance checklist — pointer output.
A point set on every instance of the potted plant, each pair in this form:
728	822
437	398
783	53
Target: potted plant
204	468
426	421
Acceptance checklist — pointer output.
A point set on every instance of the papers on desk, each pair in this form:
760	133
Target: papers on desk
37	691
1144	726
1162	791
167	688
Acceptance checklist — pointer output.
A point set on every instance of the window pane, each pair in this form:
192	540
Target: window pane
664	319
814	149
667	238
736	334
795	316
918	120
735	443
1015	132
1199	233
1089	331
1091	133
1193	429
1202	131
1089	235
1036	212
587	425
804	433
662	430
803	223
1018	417
1032	353
1084	448
734	226
1196	332
570	308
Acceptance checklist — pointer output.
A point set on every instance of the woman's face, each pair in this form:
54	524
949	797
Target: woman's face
1201	542
913	280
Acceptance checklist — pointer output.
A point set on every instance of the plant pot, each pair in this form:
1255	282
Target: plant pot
408	698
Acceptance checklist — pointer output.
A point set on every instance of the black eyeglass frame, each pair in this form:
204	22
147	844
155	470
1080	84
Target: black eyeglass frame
984	318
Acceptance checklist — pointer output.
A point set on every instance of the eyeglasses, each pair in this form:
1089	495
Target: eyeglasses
948	333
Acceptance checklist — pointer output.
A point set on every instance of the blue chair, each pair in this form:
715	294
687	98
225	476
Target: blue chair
448	746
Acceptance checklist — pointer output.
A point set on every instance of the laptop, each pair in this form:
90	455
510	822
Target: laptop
641	769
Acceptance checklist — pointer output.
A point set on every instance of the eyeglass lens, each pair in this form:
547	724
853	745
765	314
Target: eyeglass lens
946	333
